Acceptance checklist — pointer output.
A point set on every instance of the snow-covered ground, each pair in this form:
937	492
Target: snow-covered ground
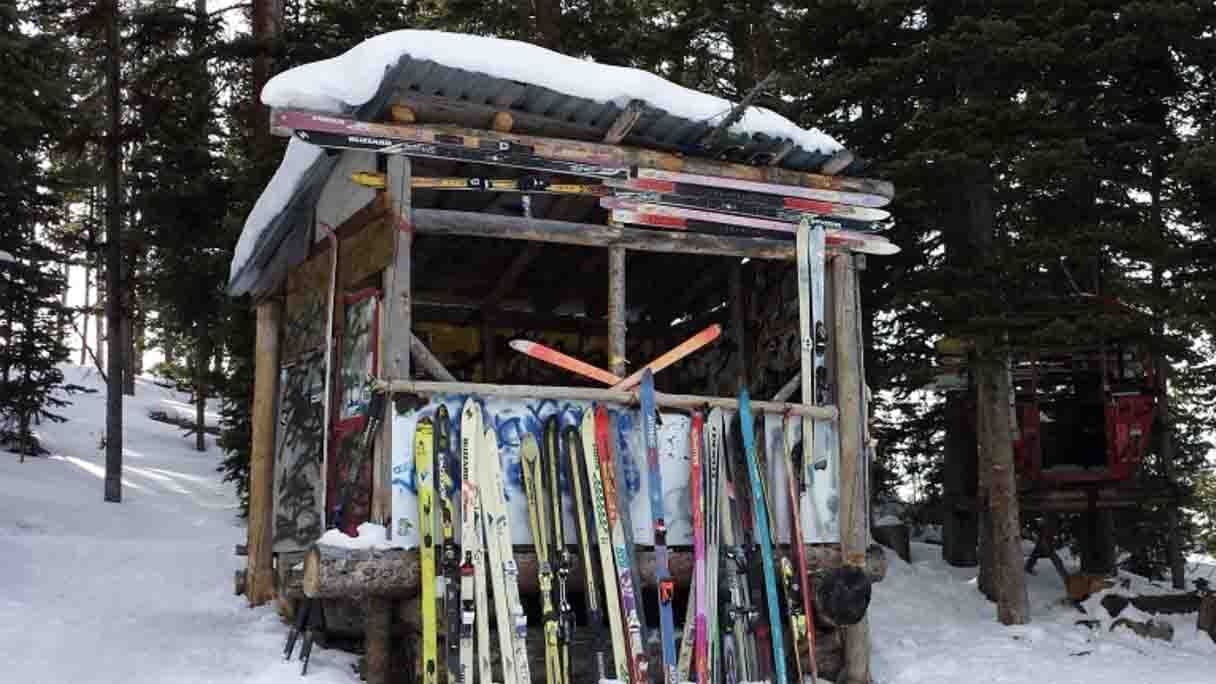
134	592
931	625
142	591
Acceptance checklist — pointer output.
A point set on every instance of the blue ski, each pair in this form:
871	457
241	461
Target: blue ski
667	622
764	537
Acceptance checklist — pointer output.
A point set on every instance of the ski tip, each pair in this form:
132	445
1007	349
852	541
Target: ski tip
523	346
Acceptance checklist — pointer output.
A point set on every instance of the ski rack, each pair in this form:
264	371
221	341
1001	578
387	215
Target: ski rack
629	397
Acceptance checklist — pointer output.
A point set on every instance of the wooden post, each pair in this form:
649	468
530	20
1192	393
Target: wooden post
737	327
260	569
854	522
379	620
617	312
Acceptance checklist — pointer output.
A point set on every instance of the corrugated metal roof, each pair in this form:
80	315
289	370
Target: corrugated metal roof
451	92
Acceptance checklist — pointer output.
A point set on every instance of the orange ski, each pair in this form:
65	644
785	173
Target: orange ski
550	355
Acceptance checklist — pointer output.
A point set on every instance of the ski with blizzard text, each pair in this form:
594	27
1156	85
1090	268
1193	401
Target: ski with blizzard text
538	512
597	154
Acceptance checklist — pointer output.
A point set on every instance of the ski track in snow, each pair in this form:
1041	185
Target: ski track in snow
140	592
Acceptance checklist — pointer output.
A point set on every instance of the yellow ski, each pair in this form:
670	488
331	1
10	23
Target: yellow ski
424	460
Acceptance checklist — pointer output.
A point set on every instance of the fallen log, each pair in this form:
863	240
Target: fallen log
337	572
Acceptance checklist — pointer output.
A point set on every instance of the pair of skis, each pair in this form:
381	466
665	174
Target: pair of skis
485	535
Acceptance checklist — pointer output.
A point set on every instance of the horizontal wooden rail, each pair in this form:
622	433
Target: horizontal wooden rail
681	401
476	224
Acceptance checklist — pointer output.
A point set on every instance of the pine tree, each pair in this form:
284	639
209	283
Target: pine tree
31	280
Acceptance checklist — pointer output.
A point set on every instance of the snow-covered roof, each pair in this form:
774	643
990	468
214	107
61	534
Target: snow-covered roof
354	81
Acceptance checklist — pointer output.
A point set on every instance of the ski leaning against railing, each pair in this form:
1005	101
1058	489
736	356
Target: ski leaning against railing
658	518
424	463
592	457
538	519
802	622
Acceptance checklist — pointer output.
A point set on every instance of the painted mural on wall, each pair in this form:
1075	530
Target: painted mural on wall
299	453
512	419
349	476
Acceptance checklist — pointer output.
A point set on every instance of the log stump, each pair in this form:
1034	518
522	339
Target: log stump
336	572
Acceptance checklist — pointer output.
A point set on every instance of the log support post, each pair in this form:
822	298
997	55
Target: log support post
737	323
617	313
854	518
260	567
396	352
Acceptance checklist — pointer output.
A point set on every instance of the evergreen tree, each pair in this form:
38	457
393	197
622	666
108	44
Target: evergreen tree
31	280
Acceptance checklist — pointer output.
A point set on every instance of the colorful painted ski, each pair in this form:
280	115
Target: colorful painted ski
650	434
449	554
595	155
512	622
697	486
765	537
801	616
553	357
529	184
621	550
424	461
674	182
650	215
538	517
669	357
764	207
603	541
684	664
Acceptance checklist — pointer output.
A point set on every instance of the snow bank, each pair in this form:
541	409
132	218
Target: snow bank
352	78
370	536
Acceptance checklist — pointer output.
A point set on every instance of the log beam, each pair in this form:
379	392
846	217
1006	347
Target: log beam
337	572
629	397
259	544
474	224
428	362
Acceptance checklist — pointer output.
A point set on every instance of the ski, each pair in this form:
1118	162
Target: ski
684	664
817	437
739	660
711	497
554	357
449	554
529	184
475	607
576	456
538	511
697	487
674	182
559	556
766	541
650	434
622	552
512	622
424	460
603	540
669	357
770	207
801	616
650	215
600	155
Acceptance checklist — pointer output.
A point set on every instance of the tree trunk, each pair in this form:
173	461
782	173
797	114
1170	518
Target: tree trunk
267	24
548	23
128	339
1009	579
84	324
114	285
202	362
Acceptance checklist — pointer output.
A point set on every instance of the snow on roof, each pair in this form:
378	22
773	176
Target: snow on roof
340	84
298	158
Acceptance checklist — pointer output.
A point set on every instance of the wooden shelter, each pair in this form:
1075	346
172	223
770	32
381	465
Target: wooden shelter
369	279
